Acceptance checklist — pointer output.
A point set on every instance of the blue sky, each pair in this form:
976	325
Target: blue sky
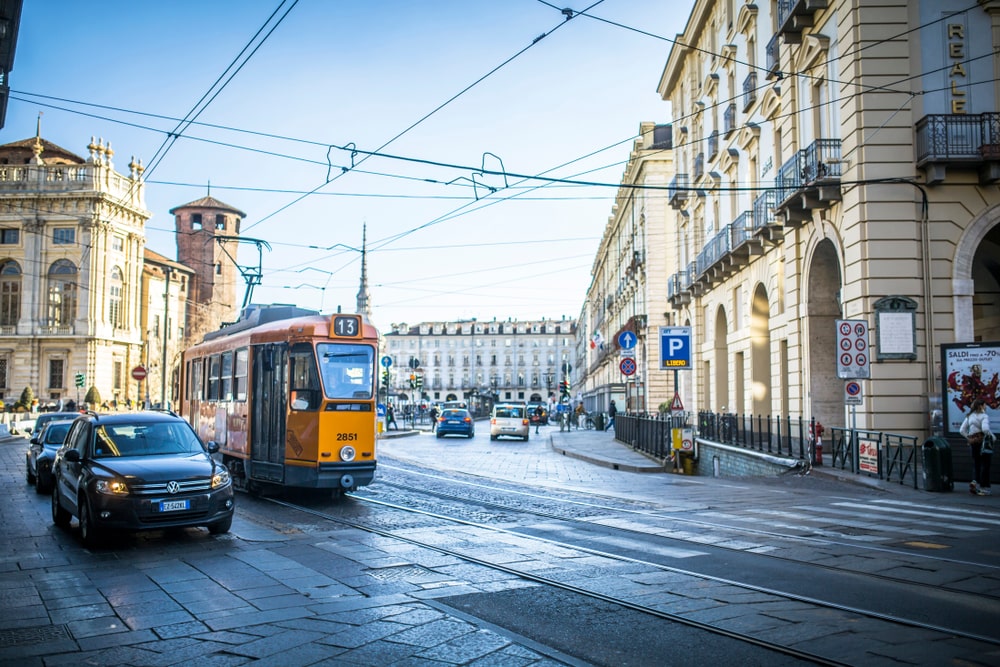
339	74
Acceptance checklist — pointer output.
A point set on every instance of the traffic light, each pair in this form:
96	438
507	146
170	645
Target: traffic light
564	387
81	379
413	381
386	378
420	382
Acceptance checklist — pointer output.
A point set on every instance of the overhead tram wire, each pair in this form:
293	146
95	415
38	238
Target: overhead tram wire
425	116
202	104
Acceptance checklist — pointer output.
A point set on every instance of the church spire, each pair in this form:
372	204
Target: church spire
364	296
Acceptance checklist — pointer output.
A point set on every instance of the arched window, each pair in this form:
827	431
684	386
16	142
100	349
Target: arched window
62	293
10	293
115	315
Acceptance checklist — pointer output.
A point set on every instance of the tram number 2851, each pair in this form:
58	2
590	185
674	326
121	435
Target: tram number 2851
346	437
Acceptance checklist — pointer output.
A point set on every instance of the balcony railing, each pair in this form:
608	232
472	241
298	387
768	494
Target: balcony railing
796	15
699	166
729	119
957	137
718	247
677	191
773	57
749	90
713	144
741	229
817	165
764	221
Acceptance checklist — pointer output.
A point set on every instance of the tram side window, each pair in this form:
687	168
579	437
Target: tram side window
197	389
305	391
241	374
227	376
347	370
214	377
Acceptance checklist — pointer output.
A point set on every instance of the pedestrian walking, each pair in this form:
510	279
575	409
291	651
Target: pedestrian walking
539	412
579	416
434	418
976	431
390	418
612	411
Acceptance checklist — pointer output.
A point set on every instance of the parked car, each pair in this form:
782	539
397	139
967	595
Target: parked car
45	417
535	418
510	420
41	452
454	421
138	471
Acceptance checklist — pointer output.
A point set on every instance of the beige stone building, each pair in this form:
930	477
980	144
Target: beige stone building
628	289
71	243
513	360
81	295
835	160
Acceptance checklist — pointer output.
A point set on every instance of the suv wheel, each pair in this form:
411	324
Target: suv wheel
43	484
88	531
30	475
221	527
60	516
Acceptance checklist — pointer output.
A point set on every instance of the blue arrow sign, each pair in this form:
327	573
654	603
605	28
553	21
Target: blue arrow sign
675	348
386	361
626	340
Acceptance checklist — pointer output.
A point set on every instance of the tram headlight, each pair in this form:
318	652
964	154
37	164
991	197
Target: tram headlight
347	453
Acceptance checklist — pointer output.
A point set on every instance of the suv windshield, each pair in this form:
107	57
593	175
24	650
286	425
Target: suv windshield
125	439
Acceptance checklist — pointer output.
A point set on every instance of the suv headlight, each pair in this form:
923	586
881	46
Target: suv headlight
220	478
347	453
112	487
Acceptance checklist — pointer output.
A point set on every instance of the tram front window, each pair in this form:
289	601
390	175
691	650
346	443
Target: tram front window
347	370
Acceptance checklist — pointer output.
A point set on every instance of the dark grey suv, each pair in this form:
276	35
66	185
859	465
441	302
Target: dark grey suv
138	471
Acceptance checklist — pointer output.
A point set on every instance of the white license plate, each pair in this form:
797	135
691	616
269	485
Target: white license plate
174	505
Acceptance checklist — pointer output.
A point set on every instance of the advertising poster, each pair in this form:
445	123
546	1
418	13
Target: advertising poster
868	456
969	371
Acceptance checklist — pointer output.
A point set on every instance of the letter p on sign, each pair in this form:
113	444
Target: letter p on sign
675	348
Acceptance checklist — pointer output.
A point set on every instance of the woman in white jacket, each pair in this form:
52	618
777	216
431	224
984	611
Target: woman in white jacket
976	430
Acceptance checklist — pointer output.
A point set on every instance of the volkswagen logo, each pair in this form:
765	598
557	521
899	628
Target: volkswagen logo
173	487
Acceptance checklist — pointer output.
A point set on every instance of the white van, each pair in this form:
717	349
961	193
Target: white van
509	419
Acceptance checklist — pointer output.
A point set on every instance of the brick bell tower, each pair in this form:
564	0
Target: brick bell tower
215	294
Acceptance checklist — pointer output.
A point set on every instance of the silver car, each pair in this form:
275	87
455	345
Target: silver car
510	420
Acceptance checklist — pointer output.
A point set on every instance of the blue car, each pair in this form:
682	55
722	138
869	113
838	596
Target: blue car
454	421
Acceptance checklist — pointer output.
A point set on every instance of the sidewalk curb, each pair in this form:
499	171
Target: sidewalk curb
607	463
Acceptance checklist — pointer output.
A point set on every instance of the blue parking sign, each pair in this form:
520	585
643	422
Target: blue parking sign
675	348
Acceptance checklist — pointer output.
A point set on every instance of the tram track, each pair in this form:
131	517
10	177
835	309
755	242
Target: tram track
859	615
713	526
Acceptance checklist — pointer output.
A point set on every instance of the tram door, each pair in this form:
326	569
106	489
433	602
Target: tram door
267	417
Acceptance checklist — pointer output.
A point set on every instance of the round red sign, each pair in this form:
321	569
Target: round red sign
138	373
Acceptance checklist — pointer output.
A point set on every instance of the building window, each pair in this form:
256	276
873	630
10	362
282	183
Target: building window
196	221
118	373
117	244
10	293
115	316
63	236
62	293
10	236
220	221
218	268
3	372
56	373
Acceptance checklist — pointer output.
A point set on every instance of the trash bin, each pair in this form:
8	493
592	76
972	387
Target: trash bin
937	470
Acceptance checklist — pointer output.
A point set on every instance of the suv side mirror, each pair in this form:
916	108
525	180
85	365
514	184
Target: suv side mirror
213	446
71	455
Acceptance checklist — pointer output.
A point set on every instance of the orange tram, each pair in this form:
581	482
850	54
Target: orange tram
289	395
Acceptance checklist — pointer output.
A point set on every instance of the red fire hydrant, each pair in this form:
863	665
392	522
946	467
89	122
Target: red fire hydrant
816	435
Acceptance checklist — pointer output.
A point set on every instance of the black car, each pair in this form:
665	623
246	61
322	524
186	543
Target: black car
42	449
138	471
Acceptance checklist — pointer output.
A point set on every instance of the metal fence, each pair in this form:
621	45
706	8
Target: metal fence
763	433
888	456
